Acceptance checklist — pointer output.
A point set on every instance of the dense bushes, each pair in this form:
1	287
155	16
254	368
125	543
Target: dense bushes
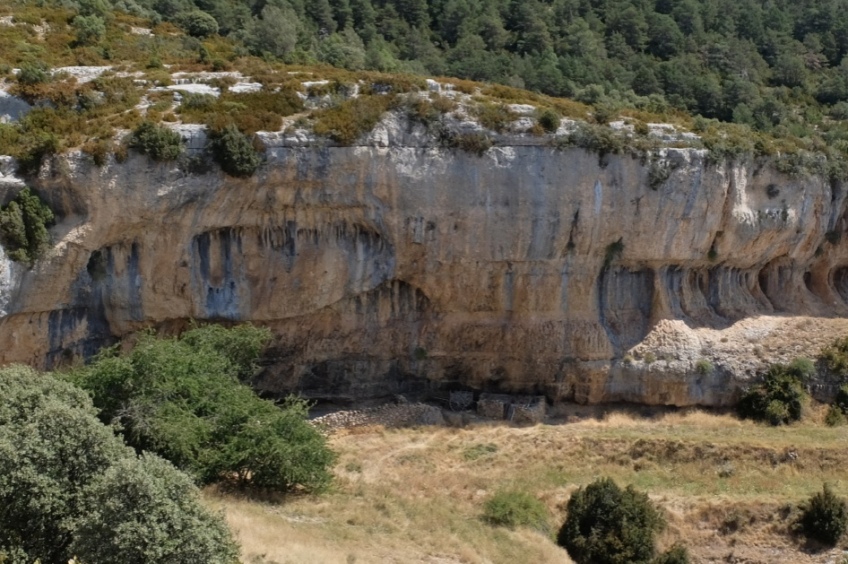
234	152
349	120
835	357
69	487
609	525
157	142
824	517
779	398
23	227
516	509
181	398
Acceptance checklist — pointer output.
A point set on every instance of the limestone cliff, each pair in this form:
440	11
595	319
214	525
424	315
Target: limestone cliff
398	266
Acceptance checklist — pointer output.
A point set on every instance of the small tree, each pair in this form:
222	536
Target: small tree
608	525
157	142
234	152
824	517
198	23
182	399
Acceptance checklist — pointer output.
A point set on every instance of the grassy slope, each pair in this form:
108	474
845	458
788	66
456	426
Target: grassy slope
417	495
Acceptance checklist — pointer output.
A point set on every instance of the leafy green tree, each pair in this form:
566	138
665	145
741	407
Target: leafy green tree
276	31
148	494
69	486
198	24
344	50
181	398
607	525
664	37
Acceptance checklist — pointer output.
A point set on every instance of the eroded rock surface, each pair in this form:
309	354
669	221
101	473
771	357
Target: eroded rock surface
399	266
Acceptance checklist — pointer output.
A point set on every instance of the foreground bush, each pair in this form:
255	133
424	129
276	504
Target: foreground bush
516	509
181	398
824	517
779	398
69	487
608	525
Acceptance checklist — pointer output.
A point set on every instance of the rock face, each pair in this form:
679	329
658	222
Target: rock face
397	266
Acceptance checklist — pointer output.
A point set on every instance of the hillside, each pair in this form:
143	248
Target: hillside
727	488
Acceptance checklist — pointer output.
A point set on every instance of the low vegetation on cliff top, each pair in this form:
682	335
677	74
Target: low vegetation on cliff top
789	107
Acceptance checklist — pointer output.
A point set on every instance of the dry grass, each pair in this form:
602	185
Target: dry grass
416	495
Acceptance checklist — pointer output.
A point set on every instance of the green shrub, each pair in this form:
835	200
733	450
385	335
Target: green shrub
677	554
835	357
703	366
198	24
824	517
607	525
34	72
157	142
235	153
516	509
348	121
89	29
69	487
598	139
479	450
476	143
181	398
841	400
658	173
496	117
613	251
112	516
778	399
549	120
23	227
835	417
802	367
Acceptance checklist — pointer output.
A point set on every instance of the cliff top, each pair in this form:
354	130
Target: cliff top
92	73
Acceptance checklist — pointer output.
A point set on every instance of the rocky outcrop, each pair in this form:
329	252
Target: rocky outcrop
398	266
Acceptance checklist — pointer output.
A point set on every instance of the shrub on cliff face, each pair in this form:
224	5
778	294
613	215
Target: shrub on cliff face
23	227
69	487
181	398
157	142
779	398
608	525
234	152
